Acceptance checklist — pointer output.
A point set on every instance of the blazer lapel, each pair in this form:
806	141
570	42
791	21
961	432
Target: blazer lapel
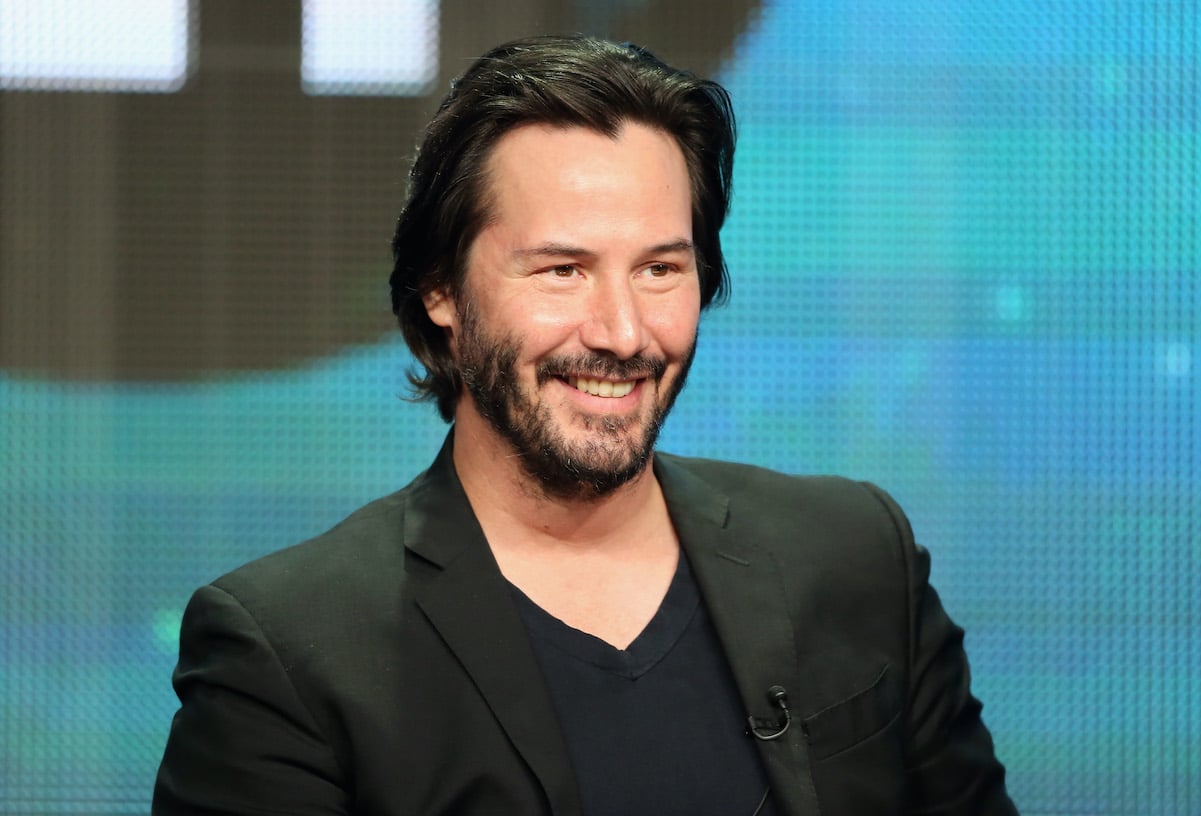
746	601
469	603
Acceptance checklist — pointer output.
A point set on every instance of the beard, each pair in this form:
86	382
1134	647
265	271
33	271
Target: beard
617	449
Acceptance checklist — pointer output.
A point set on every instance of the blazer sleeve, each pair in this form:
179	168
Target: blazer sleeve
951	765
242	740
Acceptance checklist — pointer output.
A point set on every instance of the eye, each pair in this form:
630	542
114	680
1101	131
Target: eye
564	271
658	270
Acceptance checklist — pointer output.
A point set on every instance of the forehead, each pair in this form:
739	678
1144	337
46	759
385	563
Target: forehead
545	148
583	169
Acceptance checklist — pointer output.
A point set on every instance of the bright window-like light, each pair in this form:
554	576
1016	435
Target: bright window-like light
381	47
94	45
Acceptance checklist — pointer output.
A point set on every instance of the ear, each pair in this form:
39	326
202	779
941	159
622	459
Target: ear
440	307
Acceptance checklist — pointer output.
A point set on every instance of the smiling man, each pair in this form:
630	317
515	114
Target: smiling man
556	618
578	311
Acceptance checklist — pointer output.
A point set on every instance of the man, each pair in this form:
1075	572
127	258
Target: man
554	618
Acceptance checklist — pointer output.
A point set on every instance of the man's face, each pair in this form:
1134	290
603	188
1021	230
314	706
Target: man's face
577	320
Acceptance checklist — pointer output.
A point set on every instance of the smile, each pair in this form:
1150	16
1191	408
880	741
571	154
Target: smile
602	388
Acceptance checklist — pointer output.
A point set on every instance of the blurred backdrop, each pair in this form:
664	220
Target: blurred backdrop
964	255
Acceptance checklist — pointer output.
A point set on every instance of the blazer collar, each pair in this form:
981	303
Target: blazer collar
469	602
744	594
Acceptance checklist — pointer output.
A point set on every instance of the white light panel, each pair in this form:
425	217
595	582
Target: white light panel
369	47
94	45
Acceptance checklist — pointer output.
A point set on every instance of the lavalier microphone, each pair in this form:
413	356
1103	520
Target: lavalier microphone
777	695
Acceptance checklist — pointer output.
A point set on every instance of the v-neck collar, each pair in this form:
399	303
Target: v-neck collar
653	643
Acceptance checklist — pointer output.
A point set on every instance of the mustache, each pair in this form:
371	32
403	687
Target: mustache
601	366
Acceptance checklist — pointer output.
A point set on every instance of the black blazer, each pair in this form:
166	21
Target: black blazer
382	668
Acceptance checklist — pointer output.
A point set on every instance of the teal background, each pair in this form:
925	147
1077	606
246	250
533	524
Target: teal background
964	257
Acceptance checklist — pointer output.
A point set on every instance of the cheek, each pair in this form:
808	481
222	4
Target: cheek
675	327
549	318
682	343
544	325
533	340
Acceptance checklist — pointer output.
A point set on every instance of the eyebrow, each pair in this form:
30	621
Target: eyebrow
559	250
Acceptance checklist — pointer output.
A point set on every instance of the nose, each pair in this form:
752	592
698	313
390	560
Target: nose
614	322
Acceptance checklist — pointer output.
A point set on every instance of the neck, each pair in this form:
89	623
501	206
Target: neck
508	501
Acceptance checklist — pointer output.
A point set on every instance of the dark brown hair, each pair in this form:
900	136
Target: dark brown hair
568	81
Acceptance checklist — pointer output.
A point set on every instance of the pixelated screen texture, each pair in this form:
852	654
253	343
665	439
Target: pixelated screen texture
965	267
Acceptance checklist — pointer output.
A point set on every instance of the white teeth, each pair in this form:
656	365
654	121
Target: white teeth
602	388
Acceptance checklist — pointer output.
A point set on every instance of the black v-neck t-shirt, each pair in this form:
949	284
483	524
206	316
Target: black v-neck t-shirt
657	728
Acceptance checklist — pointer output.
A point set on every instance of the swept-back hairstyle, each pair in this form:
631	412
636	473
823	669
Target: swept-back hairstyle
562	81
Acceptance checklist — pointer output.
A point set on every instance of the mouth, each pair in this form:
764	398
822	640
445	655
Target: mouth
612	389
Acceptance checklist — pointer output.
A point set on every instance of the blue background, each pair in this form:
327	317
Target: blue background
964	257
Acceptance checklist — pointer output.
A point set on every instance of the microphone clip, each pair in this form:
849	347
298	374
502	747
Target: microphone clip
778	696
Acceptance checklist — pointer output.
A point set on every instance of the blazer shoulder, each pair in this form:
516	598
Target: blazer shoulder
357	557
782	510
744	481
366	526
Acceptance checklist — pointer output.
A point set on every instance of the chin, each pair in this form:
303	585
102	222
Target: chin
592	466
